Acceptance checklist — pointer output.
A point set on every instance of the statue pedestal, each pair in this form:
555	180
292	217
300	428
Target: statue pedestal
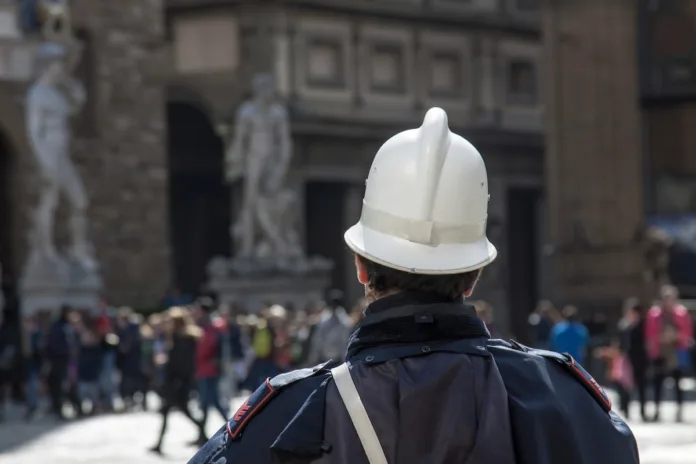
251	283
48	285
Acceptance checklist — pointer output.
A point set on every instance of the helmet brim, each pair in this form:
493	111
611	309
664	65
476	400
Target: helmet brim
417	258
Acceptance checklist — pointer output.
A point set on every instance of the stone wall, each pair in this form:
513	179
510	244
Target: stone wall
594	157
121	145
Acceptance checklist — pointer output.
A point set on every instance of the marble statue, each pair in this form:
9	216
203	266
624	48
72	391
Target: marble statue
52	100
260	155
269	261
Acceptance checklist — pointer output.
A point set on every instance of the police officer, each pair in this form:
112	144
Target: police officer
422	382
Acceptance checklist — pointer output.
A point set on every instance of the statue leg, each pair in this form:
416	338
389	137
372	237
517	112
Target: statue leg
247	229
44	218
80	247
268	220
243	231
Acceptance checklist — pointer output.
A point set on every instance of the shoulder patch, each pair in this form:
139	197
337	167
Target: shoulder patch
575	369
589	383
264	394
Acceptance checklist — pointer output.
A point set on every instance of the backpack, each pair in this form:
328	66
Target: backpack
558	412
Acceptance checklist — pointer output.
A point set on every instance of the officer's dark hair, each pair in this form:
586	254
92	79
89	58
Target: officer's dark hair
381	279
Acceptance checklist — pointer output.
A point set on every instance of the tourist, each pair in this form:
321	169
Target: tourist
332	333
91	359
570	335
179	364
668	337
60	348
208	359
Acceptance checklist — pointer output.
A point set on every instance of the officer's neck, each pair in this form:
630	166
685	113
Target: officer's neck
372	295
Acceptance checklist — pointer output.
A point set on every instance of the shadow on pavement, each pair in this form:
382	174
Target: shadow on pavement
16	432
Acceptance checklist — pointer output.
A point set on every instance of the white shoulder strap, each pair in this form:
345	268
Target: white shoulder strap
358	414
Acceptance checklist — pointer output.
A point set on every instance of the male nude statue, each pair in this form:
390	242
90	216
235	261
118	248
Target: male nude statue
52	100
260	153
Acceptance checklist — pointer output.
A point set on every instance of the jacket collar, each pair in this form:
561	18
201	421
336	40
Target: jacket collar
414	317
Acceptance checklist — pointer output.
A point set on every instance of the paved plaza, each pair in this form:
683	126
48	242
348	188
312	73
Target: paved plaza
125	438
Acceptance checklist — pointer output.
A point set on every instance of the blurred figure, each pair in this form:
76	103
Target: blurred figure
208	360
484	311
36	342
570	336
300	331
157	323
107	377
330	338
262	344
541	322
147	361
282	346
668	336
61	344
175	297
632	344
89	368
129	355
179	363
7	358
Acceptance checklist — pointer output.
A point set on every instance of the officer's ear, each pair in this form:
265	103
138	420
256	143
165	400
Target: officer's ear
361	270
474	280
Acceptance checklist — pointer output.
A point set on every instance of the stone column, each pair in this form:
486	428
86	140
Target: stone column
593	148
352	207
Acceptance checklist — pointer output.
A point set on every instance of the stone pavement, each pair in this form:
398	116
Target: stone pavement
667	442
125	438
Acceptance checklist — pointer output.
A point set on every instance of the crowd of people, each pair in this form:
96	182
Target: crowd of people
110	360
648	346
85	361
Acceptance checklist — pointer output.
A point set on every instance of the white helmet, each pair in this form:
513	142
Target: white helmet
426	203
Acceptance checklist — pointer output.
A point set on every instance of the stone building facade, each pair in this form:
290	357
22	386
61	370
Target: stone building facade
164	77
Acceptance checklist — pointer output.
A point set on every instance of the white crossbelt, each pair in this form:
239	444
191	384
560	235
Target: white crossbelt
358	414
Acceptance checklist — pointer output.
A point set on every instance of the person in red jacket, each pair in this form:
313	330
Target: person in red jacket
208	360
668	339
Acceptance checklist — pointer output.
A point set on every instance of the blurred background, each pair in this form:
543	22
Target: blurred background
132	130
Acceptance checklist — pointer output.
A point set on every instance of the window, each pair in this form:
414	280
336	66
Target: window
325	63
446	78
387	68
522	85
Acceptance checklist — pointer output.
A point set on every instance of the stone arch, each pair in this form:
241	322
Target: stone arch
182	94
16	188
199	199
